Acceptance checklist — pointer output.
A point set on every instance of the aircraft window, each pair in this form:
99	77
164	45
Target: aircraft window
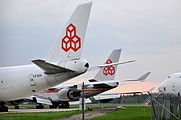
179	76
169	76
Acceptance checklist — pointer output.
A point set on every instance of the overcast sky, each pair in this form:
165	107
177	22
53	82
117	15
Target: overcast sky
146	30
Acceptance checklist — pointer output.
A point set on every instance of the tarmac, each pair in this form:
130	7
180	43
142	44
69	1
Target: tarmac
37	110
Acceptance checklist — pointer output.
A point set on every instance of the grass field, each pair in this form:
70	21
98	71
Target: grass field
129	113
37	116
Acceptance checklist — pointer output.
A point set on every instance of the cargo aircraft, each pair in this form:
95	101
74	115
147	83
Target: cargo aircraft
62	63
60	96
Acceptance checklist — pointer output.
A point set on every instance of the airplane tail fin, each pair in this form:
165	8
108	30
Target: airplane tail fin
108	72
70	43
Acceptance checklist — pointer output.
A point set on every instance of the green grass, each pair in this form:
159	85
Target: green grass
129	113
103	105
37	116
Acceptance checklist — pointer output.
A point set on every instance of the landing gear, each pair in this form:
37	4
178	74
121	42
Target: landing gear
60	105
64	105
39	106
53	106
3	108
16	107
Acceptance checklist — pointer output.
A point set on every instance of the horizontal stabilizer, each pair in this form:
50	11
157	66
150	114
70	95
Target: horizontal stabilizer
117	63
111	64
49	68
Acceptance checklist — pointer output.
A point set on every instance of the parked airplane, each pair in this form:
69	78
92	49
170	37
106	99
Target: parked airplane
171	85
106	97
61	95
63	62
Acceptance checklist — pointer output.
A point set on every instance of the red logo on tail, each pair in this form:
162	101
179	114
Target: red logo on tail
109	70
71	40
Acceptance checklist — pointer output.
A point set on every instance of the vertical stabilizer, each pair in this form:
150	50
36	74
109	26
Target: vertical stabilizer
70	43
108	72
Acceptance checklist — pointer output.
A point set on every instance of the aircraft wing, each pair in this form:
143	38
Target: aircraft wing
131	92
104	96
121	82
49	68
72	85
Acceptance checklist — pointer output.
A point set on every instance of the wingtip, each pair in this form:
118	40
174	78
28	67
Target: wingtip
143	77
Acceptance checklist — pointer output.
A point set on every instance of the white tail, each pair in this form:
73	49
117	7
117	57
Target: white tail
108	72
69	45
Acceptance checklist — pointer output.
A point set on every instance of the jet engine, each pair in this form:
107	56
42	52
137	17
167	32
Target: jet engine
68	94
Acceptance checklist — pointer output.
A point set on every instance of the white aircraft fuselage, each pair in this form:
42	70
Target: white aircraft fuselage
20	81
62	62
171	85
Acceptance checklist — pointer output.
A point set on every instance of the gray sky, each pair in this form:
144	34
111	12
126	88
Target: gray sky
147	30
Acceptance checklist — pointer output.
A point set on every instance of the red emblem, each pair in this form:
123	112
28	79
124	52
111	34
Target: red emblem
71	40
109	70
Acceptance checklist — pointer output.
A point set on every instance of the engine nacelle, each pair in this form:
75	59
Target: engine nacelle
69	94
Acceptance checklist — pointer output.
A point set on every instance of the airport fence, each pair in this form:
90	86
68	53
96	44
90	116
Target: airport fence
165	107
